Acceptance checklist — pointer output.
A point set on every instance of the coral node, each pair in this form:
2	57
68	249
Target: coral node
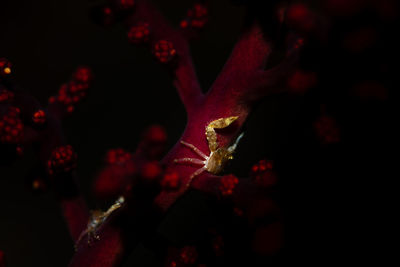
188	255
139	33
63	159
117	156
11	127
263	174
228	184
164	51
70	94
83	75
170	180
5	67
197	17
39	117
6	96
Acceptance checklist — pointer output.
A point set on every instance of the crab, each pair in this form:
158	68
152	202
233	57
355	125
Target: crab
219	156
97	218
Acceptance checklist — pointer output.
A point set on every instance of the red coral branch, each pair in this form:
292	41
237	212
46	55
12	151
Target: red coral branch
76	215
185	78
242	81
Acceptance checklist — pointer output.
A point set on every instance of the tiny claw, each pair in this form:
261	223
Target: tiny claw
222	122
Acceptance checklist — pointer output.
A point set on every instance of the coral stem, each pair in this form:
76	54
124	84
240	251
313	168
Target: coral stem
185	78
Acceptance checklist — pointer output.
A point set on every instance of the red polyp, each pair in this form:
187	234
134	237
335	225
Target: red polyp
228	184
5	67
39	117
150	170
263	174
71	92
238	211
258	167
139	33
117	156
106	15
6	96
19	150
62	160
11	127
107	10
39	185
197	17
327	130
170	180
164	51
83	75
188	255
184	24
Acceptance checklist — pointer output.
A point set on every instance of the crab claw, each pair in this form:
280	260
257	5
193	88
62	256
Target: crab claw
211	135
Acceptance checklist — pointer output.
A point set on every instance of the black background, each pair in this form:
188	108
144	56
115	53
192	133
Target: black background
332	196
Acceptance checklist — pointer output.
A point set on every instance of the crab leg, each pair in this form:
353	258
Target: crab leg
190	161
195	149
196	173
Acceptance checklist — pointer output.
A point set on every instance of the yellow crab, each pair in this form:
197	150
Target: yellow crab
216	161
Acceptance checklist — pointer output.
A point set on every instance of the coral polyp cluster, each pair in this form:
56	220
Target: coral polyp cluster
11	127
139	33
74	91
164	51
5	67
6	96
62	160
197	17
